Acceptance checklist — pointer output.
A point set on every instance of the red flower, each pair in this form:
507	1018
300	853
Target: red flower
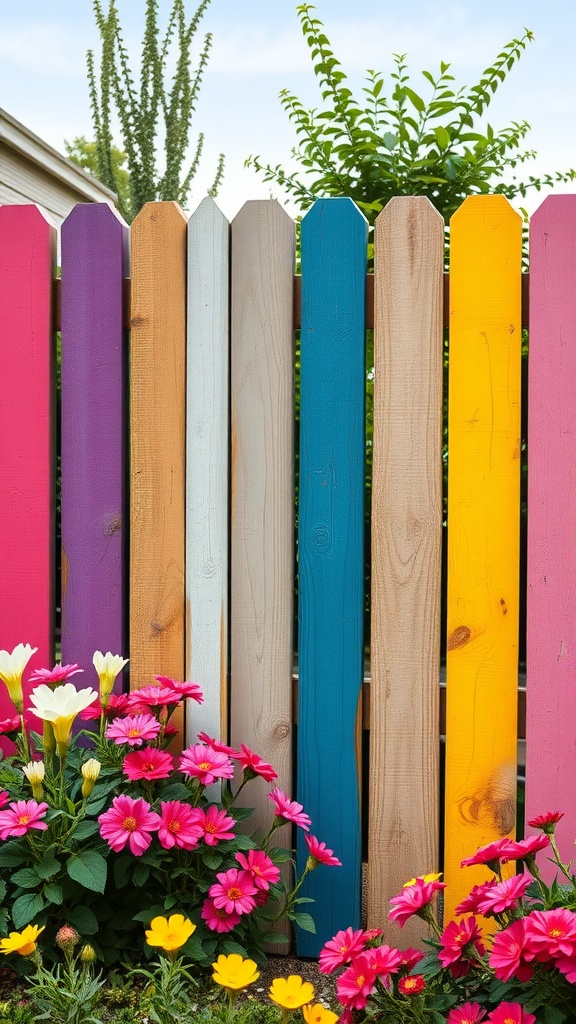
320	852
216	825
468	1013
206	764
356	983
504	895
411	985
9	725
149	763
180	825
383	960
411	957
462	944
493	853
58	674
216	744
129	822
547	822
216	917
181	689
152	697
117	704
510	952
527	847
510	1013
253	765
469	904
289	809
412	900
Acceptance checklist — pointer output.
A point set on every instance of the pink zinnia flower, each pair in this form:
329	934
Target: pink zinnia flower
383	960
179	825
469	904
218	745
411	957
510	1013
468	1013
153	697
412	900
289	809
551	933
510	951
493	853
58	674
412	985
527	847
234	891
216	917
356	983
181	690
8	725
129	821
504	895
4	797
340	949
461	943
321	853
215	825
567	966
20	816
547	822
133	730
149	763
117	704
253	765
206	764
263	870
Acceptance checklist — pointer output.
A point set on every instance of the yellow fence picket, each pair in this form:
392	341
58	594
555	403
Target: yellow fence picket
157	458
406	562
483	533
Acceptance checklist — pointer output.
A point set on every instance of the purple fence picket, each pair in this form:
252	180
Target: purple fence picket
94	403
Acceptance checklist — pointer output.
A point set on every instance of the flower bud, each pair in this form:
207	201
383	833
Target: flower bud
48	739
34	772
90	772
67	938
107	666
87	954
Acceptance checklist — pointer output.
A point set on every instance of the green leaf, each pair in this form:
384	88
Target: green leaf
304	921
212	860
88	868
53	893
442	137
2	890
140	875
276	939
83	919
27	878
25	908
279	855
13	854
84	829
48	866
553	1015
390	140
145	916
244	843
415	99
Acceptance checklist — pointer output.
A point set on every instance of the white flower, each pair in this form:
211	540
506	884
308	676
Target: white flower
11	668
91	769
107	666
34	772
60	706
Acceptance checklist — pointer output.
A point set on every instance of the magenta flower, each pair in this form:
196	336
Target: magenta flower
547	822
149	763
469	904
179	825
129	821
133	730
263	870
504	895
320	852
341	949
153	697
205	764
461	943
468	1013
551	933
181	689
493	853
411	957
289	809
234	891
216	825
253	765
20	816
510	952
218	745
117	705
217	919
8	725
510	1013
4	797
356	983
58	674
527	847
383	960
412	900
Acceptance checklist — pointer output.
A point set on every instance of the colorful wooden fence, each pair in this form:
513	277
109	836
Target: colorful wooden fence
177	504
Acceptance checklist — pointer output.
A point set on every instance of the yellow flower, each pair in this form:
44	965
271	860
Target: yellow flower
90	771
169	933
107	666
432	877
11	668
60	707
318	1014
23	942
34	772
233	972
291	992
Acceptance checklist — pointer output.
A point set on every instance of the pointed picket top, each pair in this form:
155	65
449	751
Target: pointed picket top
27	427
551	648
483	532
94	374
207	519
406	554
330	560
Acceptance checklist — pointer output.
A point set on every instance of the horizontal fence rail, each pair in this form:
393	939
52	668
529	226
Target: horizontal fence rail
180	466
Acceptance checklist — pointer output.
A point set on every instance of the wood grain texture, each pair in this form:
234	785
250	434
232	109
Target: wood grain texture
551	645
157	444
93	451
406	555
207	451
330	558
483	533
27	428
262	498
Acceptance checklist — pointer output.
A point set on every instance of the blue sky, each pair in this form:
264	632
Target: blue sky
258	49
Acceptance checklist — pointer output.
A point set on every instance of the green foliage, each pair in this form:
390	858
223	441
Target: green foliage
402	143
67	994
84	154
158	111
